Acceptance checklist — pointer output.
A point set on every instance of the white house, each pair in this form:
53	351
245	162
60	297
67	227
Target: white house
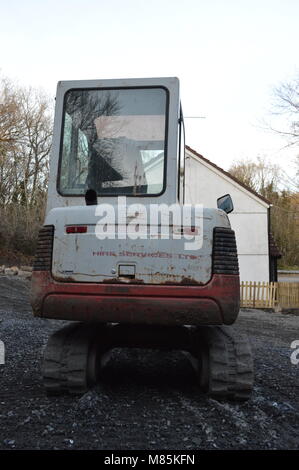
205	182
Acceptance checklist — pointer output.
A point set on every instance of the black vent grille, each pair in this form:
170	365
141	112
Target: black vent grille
225	256
43	255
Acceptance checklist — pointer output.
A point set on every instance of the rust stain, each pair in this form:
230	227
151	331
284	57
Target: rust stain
120	280
170	280
165	280
64	279
185	281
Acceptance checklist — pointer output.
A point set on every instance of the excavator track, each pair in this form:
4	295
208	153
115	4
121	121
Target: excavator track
226	363
71	359
223	359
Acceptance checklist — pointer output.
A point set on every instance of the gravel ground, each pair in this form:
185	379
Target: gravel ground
147	399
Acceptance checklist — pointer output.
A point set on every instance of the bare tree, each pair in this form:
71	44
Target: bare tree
10	133
25	143
286	97
266	179
9	114
31	156
260	175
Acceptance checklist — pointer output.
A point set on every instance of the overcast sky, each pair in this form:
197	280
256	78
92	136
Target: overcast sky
228	55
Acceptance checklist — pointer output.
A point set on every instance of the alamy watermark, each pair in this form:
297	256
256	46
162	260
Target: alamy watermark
295	354
153	221
2	353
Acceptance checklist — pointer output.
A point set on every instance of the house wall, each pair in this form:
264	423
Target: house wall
205	184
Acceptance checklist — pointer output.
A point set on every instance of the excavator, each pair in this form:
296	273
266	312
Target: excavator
121	257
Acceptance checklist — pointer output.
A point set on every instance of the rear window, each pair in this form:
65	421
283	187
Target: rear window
113	141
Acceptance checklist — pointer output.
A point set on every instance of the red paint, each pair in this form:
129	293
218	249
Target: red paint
76	229
216	302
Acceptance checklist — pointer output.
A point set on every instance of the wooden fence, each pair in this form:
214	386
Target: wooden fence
258	294
269	294
288	294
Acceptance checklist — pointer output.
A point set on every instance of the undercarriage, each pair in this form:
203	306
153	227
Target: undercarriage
75	355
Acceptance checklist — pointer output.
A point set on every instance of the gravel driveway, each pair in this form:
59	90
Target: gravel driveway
147	399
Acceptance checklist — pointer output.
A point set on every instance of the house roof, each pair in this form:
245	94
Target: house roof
226	173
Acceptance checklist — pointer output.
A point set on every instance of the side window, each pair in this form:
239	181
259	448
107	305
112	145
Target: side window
74	167
66	151
181	169
82	160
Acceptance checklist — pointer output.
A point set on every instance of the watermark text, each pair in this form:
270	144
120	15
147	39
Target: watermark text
295	354
153	221
2	353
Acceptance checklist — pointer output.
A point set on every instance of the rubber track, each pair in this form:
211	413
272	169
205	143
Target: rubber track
231	373
54	364
66	359
77	360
